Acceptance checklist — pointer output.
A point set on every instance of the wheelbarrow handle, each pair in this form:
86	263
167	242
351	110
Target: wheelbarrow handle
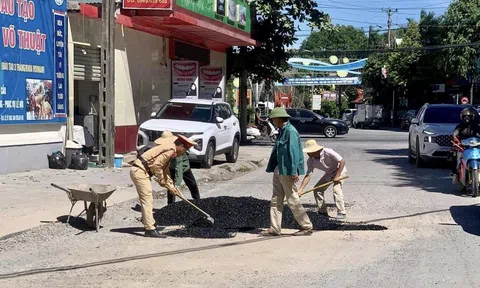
61	188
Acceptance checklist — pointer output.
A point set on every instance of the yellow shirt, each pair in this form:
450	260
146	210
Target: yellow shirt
158	159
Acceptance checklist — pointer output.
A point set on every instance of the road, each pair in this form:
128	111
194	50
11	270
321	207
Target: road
431	240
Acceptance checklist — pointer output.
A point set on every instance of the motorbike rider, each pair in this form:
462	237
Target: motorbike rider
468	127
259	122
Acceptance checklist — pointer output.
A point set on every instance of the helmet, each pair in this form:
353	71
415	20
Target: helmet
467	115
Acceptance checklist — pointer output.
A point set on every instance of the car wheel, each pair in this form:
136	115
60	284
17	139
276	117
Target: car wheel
410	152
418	160
330	132
209	155
233	155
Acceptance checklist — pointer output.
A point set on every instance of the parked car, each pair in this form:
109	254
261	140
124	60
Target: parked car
308	122
209	123
406	119
431	132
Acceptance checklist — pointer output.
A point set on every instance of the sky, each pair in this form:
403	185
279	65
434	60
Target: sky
363	13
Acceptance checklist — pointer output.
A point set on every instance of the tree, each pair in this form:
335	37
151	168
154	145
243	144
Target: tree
462	18
274	29
339	38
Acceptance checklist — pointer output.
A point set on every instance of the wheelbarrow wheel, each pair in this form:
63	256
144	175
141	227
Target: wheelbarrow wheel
91	221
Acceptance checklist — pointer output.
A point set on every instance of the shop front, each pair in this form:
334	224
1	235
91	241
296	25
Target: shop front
173	49
33	83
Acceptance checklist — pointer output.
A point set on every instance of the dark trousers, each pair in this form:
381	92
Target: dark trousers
189	180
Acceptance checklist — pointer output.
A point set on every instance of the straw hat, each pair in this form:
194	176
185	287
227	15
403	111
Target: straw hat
279	113
187	142
311	146
166	138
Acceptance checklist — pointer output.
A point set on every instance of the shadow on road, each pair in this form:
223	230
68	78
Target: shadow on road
435	178
467	217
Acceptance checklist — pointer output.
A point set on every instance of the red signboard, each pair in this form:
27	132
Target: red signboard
465	100
147	4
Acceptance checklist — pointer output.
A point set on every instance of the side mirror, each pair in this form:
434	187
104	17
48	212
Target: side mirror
415	121
153	114
219	120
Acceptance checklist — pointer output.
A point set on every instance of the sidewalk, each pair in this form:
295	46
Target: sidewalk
28	199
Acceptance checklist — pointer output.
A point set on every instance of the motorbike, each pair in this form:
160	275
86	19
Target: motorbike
469	164
268	131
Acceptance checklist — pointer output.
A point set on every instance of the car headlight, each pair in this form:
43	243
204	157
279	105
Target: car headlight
430	139
199	145
426	132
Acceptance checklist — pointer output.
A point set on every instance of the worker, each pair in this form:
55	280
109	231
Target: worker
333	165
287	163
156	162
180	170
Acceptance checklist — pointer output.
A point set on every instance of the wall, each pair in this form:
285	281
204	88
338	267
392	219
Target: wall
142	75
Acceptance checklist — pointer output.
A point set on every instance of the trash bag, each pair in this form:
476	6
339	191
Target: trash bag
79	162
57	161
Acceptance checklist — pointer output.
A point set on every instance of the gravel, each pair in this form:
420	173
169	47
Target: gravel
238	214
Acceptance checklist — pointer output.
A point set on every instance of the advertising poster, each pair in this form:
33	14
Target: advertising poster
242	15
33	79
220	7
317	102
211	83
232	11
185	79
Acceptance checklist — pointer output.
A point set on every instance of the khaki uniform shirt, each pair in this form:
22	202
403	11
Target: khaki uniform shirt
158	159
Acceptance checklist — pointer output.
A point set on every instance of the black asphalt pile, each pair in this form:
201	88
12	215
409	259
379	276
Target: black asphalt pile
233	214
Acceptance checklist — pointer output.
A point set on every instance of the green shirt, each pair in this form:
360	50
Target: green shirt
180	164
287	153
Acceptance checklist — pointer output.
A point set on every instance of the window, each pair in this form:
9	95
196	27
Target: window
186	111
222	111
447	115
306	114
293	113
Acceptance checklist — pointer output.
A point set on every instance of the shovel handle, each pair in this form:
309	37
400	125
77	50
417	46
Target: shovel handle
323	185
193	205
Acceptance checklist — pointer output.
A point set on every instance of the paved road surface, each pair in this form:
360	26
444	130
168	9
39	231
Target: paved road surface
432	237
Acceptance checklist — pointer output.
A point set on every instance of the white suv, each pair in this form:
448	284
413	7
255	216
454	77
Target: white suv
209	123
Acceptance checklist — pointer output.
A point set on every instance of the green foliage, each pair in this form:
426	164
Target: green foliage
462	18
231	99
274	29
331	109
339	38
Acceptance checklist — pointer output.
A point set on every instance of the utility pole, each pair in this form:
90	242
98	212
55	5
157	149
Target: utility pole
106	123
389	23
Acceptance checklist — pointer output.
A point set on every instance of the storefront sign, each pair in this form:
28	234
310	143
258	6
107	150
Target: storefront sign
184	79
235	13
147	4
212	83
33	75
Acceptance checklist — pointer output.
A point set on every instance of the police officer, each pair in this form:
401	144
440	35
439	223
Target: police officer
156	162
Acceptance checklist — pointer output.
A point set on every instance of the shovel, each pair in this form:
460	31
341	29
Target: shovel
209	218
326	184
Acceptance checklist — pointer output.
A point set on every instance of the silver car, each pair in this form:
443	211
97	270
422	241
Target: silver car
431	132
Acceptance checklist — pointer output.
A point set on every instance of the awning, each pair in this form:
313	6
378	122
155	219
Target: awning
181	25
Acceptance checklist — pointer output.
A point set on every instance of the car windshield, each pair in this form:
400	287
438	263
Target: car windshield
186	111
446	115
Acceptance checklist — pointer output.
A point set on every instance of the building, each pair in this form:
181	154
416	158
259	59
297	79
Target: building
159	49
156	46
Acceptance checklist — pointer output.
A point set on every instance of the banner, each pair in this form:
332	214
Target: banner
148	5
184	79
212	83
33	56
317	102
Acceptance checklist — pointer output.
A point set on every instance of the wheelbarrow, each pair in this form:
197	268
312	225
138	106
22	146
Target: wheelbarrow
93	193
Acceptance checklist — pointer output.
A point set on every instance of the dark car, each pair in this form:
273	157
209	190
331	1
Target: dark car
406	119
308	122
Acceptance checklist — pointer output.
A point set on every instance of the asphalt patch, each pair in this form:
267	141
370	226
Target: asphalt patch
239	214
